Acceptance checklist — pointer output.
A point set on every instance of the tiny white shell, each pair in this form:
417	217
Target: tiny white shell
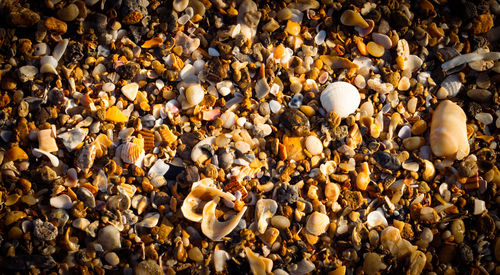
317	223
341	97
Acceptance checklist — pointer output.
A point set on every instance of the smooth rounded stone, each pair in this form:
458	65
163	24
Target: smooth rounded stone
242	146
382	39
375	49
340	97
130	91
458	230
112	259
480	95
404	84
62	201
484	118
226	160
360	81
295	121
448	135
148	267
280	222
180	5
228	119
44	231
373	264
195	254
68	13
274	106
314	145
109	238
194	94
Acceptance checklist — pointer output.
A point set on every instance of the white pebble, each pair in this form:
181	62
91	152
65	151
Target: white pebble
242	146
485	118
130	91
314	145
275	106
479	207
228	119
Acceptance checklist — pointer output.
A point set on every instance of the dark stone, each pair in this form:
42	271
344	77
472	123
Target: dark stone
374	15
74	53
136	33
129	6
27	262
128	71
466	253
295	122
387	161
148	121
288	193
44	231
399	19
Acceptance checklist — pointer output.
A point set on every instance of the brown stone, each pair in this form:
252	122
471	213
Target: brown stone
54	24
482	24
132	18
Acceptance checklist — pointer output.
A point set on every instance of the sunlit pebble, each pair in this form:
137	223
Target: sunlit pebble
213	52
320	37
275	106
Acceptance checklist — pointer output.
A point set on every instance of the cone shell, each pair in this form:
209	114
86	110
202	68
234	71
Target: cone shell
448	136
130	152
114	114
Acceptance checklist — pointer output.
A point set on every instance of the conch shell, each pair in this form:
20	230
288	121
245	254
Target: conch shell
202	192
448	134
214	229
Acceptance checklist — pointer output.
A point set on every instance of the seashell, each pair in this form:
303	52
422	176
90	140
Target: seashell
264	211
220	259
150	220
450	87
314	145
41	49
224	88
153	42
214	229
160	168
74	138
317	223
448	135
467	58
376	218
341	97
337	62
114	114
16	153
303	267
14	216
86	157
375	49
27	73
130	91
352	18
320	37
48	64
382	39
194	94
412	63
259	265
365	31
262	89
197	155
201	192
130	152
80	223
53	159
46	141
61	201
59	50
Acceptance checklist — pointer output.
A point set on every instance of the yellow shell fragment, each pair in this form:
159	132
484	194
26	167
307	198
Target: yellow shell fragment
448	134
114	114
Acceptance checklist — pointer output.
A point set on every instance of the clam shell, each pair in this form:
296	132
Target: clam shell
130	152
317	223
341	97
72	139
450	87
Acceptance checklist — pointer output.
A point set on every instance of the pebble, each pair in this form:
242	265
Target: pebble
148	267
274	106
61	201
109	238
56	25
295	121
458	230
485	118
130	91
314	145
280	222
68	13
479	207
195	254
112	258
382	40
375	49
45	231
194	94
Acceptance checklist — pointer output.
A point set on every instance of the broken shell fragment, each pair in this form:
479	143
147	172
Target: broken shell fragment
74	138
341	97
214	229
264	211
130	91
448	134
258	264
352	18
61	201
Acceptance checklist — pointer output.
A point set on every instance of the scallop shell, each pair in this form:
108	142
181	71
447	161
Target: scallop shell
317	223
341	97
264	211
201	192
149	140
448	135
212	228
130	152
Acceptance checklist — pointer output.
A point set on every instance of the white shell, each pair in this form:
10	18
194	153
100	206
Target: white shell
197	153
470	57
48	64
130	90
150	220
341	97
73	138
41	49
194	94
60	49
61	201
413	63
264	211
317	223
450	87
258	264
314	145
376	218
382	39
214	229
220	259
201	192
53	159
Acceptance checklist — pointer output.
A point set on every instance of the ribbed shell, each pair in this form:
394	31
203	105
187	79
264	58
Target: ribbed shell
130	152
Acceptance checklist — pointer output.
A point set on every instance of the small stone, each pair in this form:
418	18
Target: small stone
148	267
23	109
484	118
274	106
280	222
479	207
480	95
56	25
109	238
44	231
482	24
128	71
468	167
458	230
295	121
112	258
292	28
68	13
314	145
130	91
387	160
195	254
375	49
22	17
